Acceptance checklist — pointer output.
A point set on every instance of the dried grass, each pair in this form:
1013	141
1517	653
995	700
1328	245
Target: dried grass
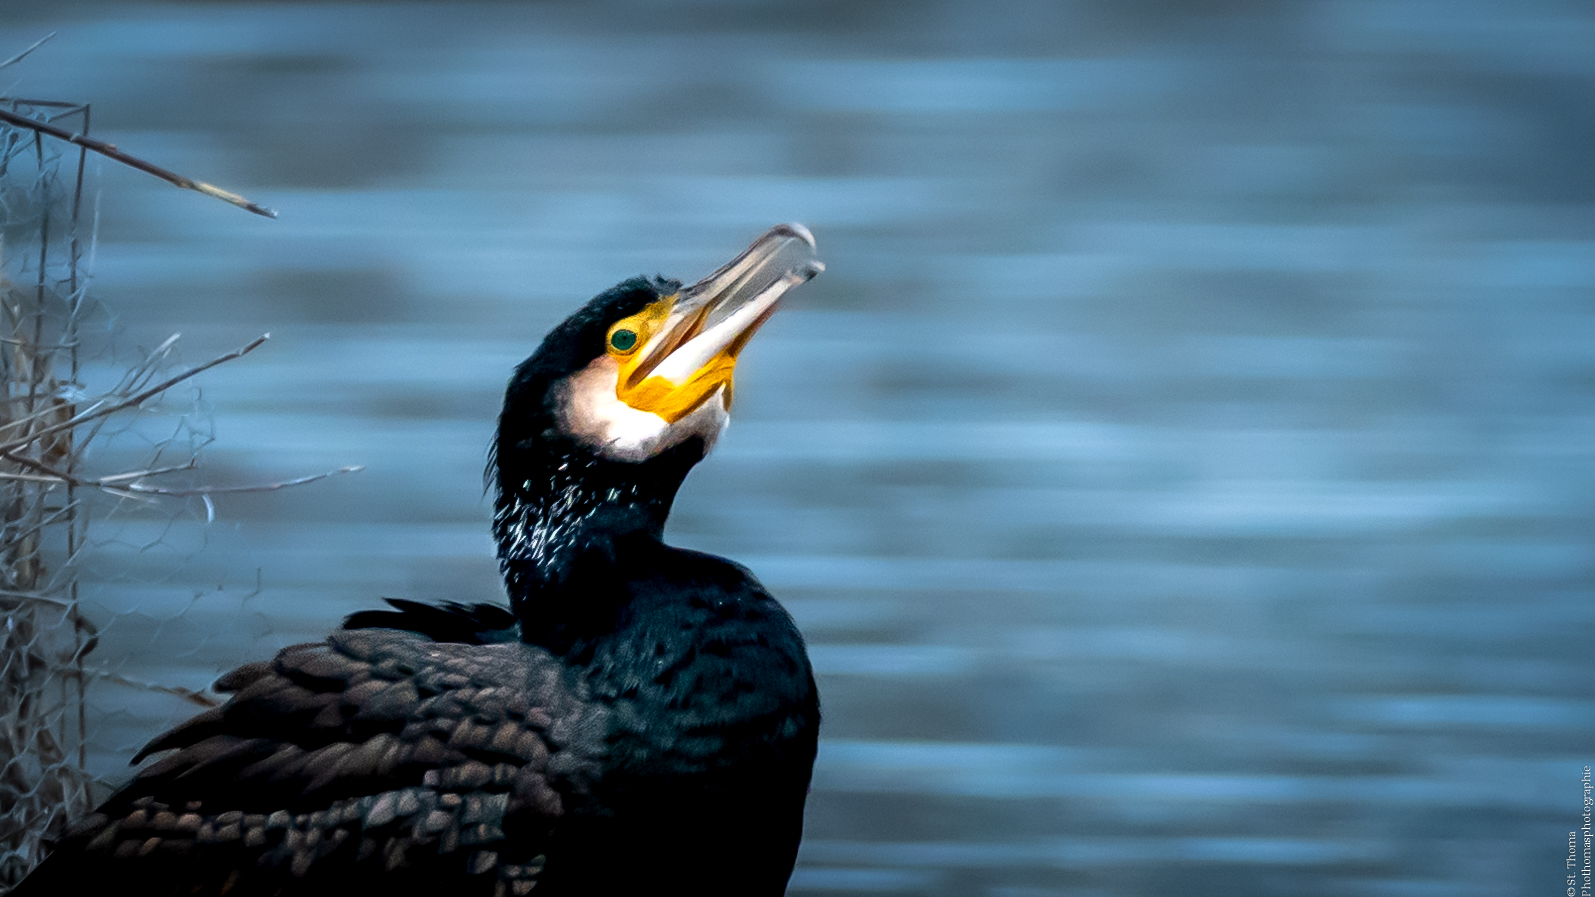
50	422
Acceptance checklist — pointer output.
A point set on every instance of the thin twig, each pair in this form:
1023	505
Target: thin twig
135	474
45	469
39	597
259	487
111	152
46	474
187	694
56	516
99	410
48	104
67	478
137	375
29	477
133	378
36	45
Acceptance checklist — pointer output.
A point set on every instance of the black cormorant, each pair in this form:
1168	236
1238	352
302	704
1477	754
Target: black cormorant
640	719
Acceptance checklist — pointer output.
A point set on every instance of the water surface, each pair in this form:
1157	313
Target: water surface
1182	472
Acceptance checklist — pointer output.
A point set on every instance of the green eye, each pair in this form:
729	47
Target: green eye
623	340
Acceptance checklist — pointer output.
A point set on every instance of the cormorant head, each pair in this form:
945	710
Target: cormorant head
625	395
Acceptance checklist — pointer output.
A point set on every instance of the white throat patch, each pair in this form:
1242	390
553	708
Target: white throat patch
590	410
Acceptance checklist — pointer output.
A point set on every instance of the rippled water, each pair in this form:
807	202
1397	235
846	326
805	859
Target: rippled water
1182	473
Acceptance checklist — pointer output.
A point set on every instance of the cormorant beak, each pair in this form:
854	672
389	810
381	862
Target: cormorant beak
676	353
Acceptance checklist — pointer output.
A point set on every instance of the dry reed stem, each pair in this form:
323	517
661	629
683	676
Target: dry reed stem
111	152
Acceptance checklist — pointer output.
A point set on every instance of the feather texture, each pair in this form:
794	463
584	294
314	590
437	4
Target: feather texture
374	752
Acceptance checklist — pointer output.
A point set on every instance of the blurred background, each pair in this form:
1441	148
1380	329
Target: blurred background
1182	472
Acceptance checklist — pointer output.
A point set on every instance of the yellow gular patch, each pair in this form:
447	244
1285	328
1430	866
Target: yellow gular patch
639	342
673	401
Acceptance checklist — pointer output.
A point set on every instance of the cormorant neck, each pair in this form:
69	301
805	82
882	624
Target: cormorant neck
561	514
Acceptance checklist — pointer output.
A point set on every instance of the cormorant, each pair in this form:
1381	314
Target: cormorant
641	718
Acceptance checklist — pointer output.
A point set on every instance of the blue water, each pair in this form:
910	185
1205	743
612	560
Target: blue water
1183	471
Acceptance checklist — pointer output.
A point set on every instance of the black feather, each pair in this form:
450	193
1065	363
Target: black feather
640	718
469	624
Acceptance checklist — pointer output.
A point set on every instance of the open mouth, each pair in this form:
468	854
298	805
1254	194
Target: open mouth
678	351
